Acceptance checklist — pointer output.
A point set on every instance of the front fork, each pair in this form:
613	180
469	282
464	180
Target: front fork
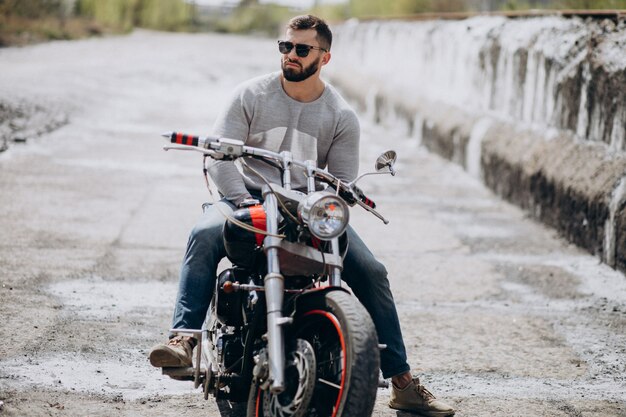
274	284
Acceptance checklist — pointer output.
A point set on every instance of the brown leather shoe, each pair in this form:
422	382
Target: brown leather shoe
177	353
415	397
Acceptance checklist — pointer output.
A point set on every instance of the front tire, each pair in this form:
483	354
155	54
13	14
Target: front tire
345	345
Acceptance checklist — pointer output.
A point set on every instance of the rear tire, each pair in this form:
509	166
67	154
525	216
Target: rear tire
345	344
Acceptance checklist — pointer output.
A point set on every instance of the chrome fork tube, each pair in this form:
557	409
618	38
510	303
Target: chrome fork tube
310	178
287	160
335	276
274	292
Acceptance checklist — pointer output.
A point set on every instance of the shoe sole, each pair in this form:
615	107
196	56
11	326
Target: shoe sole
165	359
425	413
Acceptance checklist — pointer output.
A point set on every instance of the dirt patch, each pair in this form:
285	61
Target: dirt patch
21	120
551	281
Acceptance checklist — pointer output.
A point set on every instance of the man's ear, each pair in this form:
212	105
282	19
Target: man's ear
326	58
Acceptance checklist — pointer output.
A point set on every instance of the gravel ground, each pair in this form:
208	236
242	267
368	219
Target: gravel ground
501	317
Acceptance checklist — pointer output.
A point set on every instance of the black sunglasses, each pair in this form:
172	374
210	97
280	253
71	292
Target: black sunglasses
302	50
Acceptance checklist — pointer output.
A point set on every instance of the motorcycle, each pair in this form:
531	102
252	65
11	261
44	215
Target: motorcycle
281	334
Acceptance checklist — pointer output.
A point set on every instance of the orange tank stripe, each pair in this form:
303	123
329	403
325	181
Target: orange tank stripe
257	215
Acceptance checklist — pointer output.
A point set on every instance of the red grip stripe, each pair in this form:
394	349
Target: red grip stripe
183	139
257	215
369	202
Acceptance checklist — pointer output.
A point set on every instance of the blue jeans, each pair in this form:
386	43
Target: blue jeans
362	272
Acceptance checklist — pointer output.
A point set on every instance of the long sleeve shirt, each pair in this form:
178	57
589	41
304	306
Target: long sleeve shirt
261	114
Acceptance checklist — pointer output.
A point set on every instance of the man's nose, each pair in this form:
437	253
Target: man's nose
292	54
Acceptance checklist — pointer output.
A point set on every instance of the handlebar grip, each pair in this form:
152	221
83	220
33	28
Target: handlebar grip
182	139
367	201
363	198
190	140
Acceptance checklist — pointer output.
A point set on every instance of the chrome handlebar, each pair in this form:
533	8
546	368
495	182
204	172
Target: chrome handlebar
231	149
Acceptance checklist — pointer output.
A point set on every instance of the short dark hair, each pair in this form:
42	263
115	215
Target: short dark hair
307	21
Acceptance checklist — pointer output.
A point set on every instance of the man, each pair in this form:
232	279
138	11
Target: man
292	110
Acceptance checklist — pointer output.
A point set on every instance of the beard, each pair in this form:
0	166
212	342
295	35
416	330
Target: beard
295	75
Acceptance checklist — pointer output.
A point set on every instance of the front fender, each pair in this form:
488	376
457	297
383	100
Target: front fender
314	299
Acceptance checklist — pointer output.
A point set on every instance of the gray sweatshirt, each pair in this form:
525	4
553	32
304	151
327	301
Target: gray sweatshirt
261	114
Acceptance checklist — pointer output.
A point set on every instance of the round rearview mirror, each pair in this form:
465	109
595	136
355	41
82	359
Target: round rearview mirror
386	160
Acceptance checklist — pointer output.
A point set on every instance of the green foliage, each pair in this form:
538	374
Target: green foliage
518	5
125	14
363	8
373	8
24	21
332	12
116	14
561	4
27	21
591	4
251	17
32	9
163	14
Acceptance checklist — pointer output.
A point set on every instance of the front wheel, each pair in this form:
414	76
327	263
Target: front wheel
342	339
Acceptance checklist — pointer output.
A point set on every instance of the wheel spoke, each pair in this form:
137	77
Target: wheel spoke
323	381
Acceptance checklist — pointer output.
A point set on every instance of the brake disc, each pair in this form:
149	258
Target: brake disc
299	384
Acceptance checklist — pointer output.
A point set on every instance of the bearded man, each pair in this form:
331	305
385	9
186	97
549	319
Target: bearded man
292	110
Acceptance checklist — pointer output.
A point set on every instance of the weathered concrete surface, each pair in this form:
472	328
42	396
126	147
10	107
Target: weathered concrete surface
535	108
565	184
26	120
565	73
500	315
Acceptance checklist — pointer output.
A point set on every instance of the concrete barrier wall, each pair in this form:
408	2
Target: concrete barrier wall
536	108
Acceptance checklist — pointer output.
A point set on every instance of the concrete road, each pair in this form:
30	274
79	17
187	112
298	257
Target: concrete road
501	317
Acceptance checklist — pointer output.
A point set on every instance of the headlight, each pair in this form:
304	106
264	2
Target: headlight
326	214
